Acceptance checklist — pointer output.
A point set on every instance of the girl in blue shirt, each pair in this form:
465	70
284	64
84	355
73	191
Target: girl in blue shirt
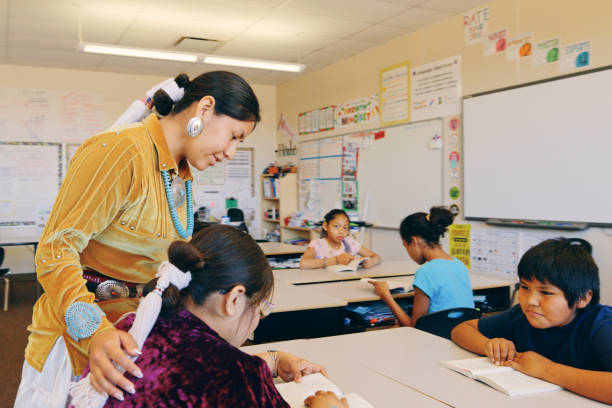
442	282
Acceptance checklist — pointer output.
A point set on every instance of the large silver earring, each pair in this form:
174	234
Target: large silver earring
195	126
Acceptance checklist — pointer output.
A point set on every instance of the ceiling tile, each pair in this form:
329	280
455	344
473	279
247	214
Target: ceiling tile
252	49
284	20
379	34
43	28
407	3
259	3
274	78
44	10
41	42
369	11
417	18
320	57
191	44
54	58
453	6
346	48
288	39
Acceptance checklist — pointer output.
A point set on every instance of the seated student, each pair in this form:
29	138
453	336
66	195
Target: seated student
558	332
443	282
335	245
217	289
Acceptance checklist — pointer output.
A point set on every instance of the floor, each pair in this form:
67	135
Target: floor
14	336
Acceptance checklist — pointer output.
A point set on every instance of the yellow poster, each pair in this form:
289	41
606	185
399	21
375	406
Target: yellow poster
394	94
459	239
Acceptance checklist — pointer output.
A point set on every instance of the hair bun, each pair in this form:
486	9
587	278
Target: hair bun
185	256
439	219
182	80
162	102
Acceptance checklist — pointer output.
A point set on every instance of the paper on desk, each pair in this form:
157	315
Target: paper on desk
392	284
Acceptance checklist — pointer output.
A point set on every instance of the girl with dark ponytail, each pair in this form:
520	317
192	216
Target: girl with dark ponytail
442	282
213	291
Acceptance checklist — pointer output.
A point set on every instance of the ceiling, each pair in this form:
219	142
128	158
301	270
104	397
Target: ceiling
313	32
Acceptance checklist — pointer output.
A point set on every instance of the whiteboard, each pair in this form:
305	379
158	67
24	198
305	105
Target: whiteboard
540	151
401	173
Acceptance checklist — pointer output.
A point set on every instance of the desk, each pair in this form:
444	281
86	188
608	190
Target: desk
277	248
411	357
303	276
301	311
352	377
25	240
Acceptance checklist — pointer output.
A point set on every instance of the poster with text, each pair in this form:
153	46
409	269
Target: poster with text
546	52
359	111
575	56
519	47
495	42
475	25
436	89
459	240
395	94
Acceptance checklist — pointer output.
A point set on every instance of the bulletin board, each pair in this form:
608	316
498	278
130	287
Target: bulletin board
39	130
399	169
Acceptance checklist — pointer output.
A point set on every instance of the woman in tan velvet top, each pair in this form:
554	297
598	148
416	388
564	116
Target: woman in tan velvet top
113	219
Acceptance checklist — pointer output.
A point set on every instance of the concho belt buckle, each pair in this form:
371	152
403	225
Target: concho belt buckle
112	289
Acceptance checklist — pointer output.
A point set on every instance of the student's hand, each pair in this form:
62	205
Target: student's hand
325	399
381	288
293	368
344	258
108	347
368	263
500	350
530	363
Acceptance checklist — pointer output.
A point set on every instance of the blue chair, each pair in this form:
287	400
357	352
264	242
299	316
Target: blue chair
443	322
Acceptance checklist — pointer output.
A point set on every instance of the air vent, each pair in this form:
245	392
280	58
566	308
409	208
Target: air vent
196	44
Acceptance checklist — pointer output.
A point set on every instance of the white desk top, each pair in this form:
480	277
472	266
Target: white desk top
352	377
392	268
290	298
412	357
277	248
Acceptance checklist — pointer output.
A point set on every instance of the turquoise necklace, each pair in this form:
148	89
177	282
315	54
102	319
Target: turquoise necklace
175	219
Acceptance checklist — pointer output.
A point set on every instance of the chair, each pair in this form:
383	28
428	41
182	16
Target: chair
443	322
235	214
7	282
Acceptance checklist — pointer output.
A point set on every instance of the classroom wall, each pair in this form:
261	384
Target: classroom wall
358	76
119	91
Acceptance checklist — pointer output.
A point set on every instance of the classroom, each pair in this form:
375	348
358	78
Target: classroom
393	108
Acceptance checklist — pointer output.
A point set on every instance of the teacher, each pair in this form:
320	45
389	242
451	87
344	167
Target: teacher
126	197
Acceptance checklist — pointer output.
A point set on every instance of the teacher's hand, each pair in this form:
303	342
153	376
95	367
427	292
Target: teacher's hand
108	347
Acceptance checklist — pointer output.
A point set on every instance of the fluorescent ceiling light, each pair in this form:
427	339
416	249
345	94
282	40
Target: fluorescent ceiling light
137	52
252	63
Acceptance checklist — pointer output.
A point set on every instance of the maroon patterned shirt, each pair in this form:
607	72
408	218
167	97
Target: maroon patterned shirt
186	364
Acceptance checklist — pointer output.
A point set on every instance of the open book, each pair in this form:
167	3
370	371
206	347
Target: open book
504	379
351	266
394	286
295	393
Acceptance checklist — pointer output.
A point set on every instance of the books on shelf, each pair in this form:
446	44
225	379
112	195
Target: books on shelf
504	379
349	267
295	393
270	187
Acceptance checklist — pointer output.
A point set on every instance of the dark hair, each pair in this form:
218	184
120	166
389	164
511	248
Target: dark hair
330	216
234	97
564	262
219	257
429	227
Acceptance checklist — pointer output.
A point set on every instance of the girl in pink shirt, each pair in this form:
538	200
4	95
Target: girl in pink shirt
336	246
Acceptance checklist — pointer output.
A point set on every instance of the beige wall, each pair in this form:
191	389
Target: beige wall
119	91
358	76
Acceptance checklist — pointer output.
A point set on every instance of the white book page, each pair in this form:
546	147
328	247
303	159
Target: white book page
295	393
516	383
351	266
392	284
475	366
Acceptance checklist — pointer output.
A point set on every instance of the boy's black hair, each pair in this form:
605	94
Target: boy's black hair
566	263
